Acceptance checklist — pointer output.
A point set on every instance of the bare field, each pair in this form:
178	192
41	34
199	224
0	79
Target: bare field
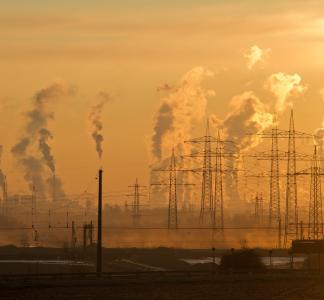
297	289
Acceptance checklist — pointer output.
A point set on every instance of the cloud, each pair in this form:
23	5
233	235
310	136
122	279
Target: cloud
248	117
179	112
256	55
322	94
283	86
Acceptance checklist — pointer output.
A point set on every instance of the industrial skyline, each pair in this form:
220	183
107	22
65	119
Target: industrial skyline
127	111
105	50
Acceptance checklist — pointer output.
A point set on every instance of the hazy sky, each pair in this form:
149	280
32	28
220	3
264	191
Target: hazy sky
129	49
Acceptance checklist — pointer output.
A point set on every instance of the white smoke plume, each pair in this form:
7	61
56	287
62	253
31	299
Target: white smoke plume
256	55
179	112
36	132
319	142
322	94
95	118
2	175
319	136
248	117
283	86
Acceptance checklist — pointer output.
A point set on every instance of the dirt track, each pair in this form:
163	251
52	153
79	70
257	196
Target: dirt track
299	289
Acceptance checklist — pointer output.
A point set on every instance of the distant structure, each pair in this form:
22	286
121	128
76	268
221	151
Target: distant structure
4	204
315	228
206	200
172	190
291	216
218	216
87	234
206	207
54	186
33	208
3	187
135	207
173	203
291	224
258	209
274	191
274	194
73	236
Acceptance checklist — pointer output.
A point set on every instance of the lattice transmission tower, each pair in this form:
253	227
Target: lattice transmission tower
173	201
206	208
218	220
274	195
135	206
315	228
291	215
275	155
206	199
172	190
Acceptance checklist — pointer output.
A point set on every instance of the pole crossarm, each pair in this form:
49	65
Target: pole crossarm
284	134
282	155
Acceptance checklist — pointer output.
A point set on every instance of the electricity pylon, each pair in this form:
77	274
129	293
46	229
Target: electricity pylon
172	191
212	196
315	211
291	205
206	208
291	216
173	202
135	207
206	200
315	204
218	216
274	195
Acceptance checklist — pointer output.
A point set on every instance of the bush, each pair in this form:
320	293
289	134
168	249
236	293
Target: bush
241	260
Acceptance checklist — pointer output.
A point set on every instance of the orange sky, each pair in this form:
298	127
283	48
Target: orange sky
129	51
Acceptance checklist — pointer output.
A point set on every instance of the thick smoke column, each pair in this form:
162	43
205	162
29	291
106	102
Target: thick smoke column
283	85
95	118
256	55
44	136
248	117
179	112
35	131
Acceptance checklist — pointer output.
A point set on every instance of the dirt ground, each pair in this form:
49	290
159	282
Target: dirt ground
299	289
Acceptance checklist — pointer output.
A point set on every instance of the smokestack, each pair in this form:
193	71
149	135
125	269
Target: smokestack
99	231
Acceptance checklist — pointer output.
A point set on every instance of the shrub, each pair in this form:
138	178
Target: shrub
241	260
